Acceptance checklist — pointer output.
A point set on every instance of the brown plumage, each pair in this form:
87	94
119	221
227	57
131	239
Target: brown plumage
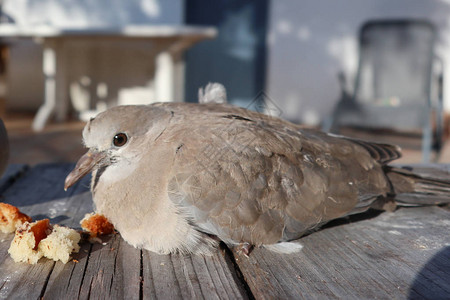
187	172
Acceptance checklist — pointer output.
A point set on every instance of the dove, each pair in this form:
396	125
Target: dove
180	177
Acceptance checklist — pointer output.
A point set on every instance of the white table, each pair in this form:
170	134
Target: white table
175	38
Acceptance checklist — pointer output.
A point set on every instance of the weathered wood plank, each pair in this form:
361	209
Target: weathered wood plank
65	279
39	194
392	256
12	173
179	276
22	281
112	271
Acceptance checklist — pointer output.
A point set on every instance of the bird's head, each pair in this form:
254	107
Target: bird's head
117	136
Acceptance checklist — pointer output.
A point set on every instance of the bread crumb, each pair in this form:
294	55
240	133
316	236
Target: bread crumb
39	239
59	244
96	224
11	218
24	245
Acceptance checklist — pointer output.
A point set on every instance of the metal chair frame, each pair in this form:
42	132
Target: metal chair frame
429	141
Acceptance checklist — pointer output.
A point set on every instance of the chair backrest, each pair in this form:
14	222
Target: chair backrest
392	88
395	61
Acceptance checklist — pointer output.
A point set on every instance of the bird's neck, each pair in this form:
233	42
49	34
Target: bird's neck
138	204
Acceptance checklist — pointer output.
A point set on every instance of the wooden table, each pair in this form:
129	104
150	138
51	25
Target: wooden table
398	255
171	41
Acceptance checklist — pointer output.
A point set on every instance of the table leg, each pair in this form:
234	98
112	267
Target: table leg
55	88
61	87
164	77
178	79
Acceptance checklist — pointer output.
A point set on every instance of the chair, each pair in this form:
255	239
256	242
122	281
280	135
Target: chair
394	84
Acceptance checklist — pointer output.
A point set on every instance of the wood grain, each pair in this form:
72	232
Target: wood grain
384	257
178	276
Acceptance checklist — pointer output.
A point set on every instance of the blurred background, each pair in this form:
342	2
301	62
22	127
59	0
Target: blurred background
299	59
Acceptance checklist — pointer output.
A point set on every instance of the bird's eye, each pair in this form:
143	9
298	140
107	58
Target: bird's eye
120	139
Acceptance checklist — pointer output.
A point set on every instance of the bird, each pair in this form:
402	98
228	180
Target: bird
181	177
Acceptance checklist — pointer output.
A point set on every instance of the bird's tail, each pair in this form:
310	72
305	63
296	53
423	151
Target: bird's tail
420	185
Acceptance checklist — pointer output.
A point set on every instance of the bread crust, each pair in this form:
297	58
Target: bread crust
11	218
96	224
40	239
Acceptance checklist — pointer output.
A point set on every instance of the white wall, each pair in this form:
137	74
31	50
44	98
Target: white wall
310	41
83	13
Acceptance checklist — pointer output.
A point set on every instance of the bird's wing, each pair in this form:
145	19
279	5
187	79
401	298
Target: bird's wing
382	153
246	177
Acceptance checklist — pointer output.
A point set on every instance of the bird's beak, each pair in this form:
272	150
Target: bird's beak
84	165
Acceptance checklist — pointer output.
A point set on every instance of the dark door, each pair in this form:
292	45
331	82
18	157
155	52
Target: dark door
237	57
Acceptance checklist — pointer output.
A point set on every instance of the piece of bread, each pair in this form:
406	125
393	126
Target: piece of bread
24	247
11	218
39	239
60	244
96	224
